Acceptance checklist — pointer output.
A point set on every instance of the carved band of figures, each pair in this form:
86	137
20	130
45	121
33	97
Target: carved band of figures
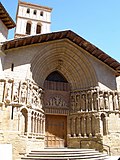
56	101
21	92
95	100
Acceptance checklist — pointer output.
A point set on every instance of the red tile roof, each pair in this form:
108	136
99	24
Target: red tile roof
5	17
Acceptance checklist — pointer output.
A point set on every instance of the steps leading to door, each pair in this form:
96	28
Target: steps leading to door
65	154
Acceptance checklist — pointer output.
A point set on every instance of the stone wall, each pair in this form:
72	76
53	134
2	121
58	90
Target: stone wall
94	120
87	143
20	144
22	120
80	68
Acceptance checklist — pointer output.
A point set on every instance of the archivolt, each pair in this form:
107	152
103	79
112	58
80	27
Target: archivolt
68	60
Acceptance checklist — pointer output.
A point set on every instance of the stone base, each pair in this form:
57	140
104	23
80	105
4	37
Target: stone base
86	143
20	144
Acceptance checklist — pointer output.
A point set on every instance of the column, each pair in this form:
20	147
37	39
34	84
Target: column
92	106
29	122
83	126
79	126
98	103
86	102
89	132
116	100
73	126
69	127
41	125
119	100
76	126
36	123
93	125
98	127
84	122
33	123
19	121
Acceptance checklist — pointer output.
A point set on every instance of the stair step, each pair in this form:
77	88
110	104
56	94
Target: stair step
65	158
65	154
61	155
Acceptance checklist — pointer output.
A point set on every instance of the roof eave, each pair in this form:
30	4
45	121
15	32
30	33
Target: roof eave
87	46
5	18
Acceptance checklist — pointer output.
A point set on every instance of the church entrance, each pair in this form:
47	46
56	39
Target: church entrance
56	107
56	131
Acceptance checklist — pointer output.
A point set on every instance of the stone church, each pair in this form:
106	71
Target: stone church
56	88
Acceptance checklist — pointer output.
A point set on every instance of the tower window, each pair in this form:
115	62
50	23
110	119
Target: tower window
28	10
35	12
28	28
38	29
41	13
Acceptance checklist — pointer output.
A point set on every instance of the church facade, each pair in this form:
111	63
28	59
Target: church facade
56	89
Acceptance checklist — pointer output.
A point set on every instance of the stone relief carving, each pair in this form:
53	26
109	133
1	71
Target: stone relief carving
16	91
30	94
21	93
94	100
8	92
56	101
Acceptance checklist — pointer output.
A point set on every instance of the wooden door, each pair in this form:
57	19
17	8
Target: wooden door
56	131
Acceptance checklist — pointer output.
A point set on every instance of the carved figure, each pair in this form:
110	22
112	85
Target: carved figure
56	102
23	92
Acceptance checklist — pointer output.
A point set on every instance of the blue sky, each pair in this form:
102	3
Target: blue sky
98	21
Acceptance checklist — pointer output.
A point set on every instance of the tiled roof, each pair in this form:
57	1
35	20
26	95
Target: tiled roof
5	17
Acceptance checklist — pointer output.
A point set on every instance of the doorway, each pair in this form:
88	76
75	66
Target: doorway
56	131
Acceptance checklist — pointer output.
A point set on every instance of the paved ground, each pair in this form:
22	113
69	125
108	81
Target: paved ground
114	157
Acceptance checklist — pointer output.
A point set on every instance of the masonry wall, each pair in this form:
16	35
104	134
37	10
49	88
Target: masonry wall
106	76
22	59
11	131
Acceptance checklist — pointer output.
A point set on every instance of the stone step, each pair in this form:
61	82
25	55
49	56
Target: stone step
62	153
65	154
66	158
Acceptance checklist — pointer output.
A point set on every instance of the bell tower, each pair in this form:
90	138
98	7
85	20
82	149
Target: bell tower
32	19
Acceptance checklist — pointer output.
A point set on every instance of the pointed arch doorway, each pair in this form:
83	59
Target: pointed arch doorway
56	106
